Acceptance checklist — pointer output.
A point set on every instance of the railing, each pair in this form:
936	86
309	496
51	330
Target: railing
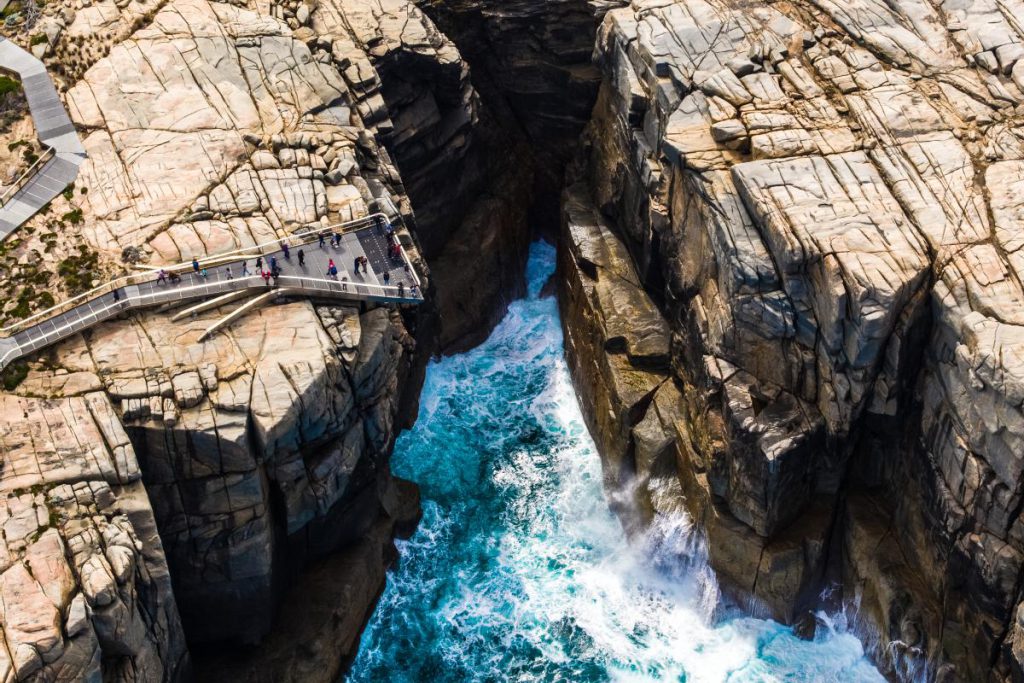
41	336
312	234
20	183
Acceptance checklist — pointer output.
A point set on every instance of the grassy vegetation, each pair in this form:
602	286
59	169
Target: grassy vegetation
38	39
24	307
12	103
9	85
78	271
12	8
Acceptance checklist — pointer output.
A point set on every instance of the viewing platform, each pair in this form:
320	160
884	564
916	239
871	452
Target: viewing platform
389	277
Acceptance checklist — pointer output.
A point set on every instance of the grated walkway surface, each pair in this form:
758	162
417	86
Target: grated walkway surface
54	128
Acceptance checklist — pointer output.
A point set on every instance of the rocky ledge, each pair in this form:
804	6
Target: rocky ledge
792	299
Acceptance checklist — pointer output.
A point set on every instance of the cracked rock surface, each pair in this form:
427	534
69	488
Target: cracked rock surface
815	207
466	173
156	486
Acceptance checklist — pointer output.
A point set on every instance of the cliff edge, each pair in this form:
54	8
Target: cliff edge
791	298
165	491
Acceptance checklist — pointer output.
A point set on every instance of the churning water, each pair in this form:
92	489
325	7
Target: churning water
519	571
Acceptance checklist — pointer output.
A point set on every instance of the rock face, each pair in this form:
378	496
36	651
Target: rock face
791	297
84	586
465	175
532	60
257	454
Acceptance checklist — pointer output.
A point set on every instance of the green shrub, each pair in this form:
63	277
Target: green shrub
77	271
24	306
74	217
12	8
13	375
38	39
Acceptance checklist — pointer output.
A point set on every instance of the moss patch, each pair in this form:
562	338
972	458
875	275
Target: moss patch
9	85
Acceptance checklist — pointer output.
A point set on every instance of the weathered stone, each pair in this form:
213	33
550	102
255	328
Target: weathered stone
211	127
831	232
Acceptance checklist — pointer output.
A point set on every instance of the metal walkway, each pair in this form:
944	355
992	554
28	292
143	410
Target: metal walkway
218	275
58	166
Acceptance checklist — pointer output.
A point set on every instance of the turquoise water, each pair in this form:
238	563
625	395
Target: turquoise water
519	571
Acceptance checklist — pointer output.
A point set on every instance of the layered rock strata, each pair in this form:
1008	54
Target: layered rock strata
811	207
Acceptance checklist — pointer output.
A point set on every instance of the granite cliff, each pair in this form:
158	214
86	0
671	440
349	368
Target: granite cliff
165	494
791	295
788	275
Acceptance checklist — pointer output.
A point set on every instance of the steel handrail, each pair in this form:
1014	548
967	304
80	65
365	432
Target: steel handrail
148	275
171	293
19	184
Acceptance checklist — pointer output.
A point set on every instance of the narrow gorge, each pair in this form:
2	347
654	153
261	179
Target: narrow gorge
714	378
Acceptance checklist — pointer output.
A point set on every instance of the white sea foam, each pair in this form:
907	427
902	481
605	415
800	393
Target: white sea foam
519	570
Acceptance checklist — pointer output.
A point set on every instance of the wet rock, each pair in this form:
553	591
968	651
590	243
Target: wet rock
805	626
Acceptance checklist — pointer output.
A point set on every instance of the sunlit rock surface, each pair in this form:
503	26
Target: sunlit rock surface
256	453
821	201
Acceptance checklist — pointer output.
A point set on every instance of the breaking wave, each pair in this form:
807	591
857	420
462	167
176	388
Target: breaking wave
519	570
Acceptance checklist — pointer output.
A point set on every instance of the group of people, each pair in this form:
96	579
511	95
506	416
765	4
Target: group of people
273	269
335	239
163	276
